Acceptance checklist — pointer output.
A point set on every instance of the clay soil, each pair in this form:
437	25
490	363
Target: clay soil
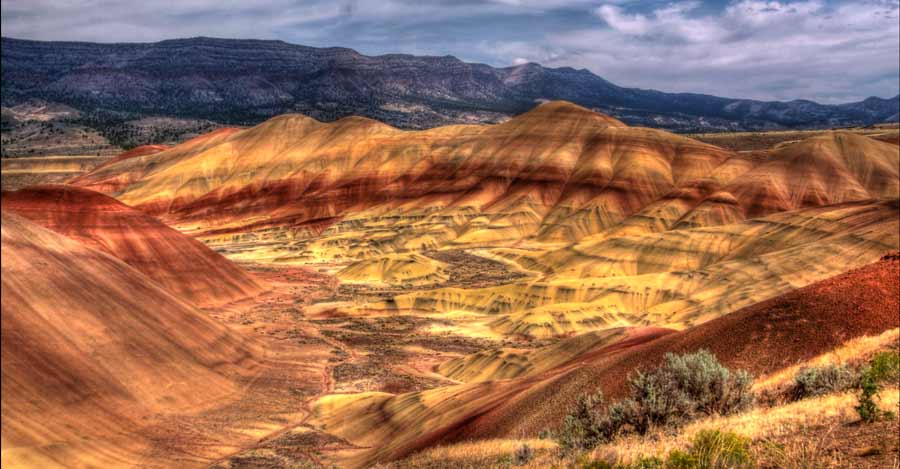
312	352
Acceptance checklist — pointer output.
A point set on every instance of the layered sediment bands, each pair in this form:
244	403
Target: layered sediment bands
762	338
393	426
295	189
559	165
412	269
832	168
620	226
178	263
677	278
506	364
113	177
92	347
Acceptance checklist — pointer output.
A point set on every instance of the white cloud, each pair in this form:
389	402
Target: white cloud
635	24
757	49
831	50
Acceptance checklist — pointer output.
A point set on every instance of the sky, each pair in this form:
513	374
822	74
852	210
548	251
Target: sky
829	51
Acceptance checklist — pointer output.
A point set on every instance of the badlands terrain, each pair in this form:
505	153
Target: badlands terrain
304	294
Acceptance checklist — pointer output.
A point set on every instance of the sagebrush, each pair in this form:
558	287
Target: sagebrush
821	380
685	387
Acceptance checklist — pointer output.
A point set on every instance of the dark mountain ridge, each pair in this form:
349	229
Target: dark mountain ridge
240	81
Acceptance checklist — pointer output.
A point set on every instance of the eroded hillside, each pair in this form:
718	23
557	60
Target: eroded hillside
401	289
604	225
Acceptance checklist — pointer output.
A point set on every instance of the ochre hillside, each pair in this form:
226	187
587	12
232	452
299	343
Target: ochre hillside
503	182
92	348
131	166
176	262
557	173
605	225
143	150
422	287
763	338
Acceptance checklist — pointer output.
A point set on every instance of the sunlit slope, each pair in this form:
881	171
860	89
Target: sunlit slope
560	167
677	278
175	261
505	364
762	338
295	189
92	348
828	169
413	269
621	226
122	171
143	150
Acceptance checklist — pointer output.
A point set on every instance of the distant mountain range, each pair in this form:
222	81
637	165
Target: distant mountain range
247	81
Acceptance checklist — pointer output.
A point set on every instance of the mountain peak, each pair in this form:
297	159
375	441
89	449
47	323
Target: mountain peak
245	81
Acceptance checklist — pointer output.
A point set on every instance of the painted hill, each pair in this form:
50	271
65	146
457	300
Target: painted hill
624	226
556	156
92	348
180	264
763	338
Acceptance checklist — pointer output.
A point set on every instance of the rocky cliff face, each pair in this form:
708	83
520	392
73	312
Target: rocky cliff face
247	81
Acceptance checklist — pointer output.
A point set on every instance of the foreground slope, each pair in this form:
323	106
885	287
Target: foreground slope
762	338
176	262
92	348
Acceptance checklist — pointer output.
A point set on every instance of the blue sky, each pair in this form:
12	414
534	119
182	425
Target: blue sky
828	51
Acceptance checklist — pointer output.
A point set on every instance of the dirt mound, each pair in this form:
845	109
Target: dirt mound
176	262
92	348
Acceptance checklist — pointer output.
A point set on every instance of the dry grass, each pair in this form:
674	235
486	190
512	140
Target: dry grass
799	435
806	417
497	453
852	352
820	432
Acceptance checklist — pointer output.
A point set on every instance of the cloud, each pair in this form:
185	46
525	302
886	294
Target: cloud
751	48
827	50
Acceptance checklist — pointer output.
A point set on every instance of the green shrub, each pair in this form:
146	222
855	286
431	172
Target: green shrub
685	386
681	460
580	429
713	449
712	387
522	454
817	381
648	463
885	366
867	408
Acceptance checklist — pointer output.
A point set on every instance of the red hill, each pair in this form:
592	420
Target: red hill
175	261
